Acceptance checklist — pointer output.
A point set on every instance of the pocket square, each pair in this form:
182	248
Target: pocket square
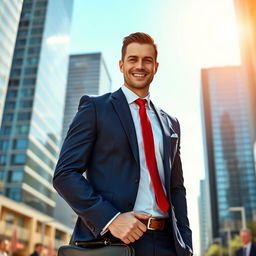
174	135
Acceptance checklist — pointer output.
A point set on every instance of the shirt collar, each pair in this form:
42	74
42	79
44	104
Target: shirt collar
131	96
248	245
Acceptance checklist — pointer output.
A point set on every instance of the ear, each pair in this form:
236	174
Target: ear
121	64
156	67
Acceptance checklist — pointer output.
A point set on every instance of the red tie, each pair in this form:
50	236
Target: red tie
149	150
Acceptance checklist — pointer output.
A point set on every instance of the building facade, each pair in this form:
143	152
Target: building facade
30	135
229	146
87	74
10	11
25	226
246	17
204	224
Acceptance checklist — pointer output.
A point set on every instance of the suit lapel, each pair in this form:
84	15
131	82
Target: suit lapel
169	145
123	111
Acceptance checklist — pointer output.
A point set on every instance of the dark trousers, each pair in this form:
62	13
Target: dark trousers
152	243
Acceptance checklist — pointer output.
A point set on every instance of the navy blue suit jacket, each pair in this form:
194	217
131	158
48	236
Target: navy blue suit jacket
101	142
252	251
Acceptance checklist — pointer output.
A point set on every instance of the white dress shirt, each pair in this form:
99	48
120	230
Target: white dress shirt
248	248
145	200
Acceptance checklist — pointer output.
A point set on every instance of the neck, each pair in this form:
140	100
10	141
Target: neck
142	93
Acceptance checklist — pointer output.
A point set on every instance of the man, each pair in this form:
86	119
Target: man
4	247
248	249
129	149
38	249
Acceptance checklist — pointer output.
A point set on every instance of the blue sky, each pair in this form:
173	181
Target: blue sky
190	34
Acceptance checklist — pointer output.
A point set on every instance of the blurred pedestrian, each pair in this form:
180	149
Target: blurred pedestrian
37	249
248	248
4	247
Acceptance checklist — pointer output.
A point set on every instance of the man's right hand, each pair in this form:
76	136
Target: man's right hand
128	227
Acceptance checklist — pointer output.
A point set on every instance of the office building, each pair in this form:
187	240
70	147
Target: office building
25	226
229	146
33	113
204	223
246	18
87	74
9	19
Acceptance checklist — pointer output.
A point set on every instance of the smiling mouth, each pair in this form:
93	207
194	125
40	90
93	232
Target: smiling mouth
139	75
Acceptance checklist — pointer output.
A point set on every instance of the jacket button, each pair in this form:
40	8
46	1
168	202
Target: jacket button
136	181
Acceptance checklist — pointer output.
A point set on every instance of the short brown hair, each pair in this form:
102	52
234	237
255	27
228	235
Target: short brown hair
138	37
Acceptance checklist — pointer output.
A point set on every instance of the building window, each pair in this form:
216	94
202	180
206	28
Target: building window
29	81
31	71
18	159
14	193
11	94
24	116
35	40
20	143
19	52
3	159
14	82
15	72
26	104
31	61
1	177
10	105
8	117
20	42
22	129
27	92
15	176
24	23
22	33
5	130
17	62
4	144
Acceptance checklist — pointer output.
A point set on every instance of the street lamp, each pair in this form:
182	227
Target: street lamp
243	216
228	231
219	241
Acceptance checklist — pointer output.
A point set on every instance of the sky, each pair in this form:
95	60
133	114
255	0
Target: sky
191	35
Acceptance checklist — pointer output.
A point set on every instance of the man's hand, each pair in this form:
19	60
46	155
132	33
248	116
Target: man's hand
127	226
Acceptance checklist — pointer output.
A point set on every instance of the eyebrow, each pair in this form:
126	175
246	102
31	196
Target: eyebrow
134	56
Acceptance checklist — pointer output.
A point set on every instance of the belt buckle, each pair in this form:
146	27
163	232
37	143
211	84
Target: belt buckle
149	222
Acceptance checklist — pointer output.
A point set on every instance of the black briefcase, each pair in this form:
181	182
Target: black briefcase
96	248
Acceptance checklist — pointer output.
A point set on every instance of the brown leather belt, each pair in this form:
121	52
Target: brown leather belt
155	223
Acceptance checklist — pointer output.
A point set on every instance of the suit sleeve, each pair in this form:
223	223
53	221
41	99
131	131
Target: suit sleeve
178	196
68	178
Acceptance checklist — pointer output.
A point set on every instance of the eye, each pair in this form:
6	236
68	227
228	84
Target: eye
132	60
148	60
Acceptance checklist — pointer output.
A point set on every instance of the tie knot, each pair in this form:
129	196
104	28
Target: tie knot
140	102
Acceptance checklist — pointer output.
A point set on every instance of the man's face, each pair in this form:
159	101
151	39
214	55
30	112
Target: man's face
245	237
138	66
4	246
39	249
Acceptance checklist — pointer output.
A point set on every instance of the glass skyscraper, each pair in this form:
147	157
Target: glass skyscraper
9	19
204	224
229	146
32	122
246	16
87	74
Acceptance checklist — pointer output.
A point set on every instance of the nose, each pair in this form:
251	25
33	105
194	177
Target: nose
140	64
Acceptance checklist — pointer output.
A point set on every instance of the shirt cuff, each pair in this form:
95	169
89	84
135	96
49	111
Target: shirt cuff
105	229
